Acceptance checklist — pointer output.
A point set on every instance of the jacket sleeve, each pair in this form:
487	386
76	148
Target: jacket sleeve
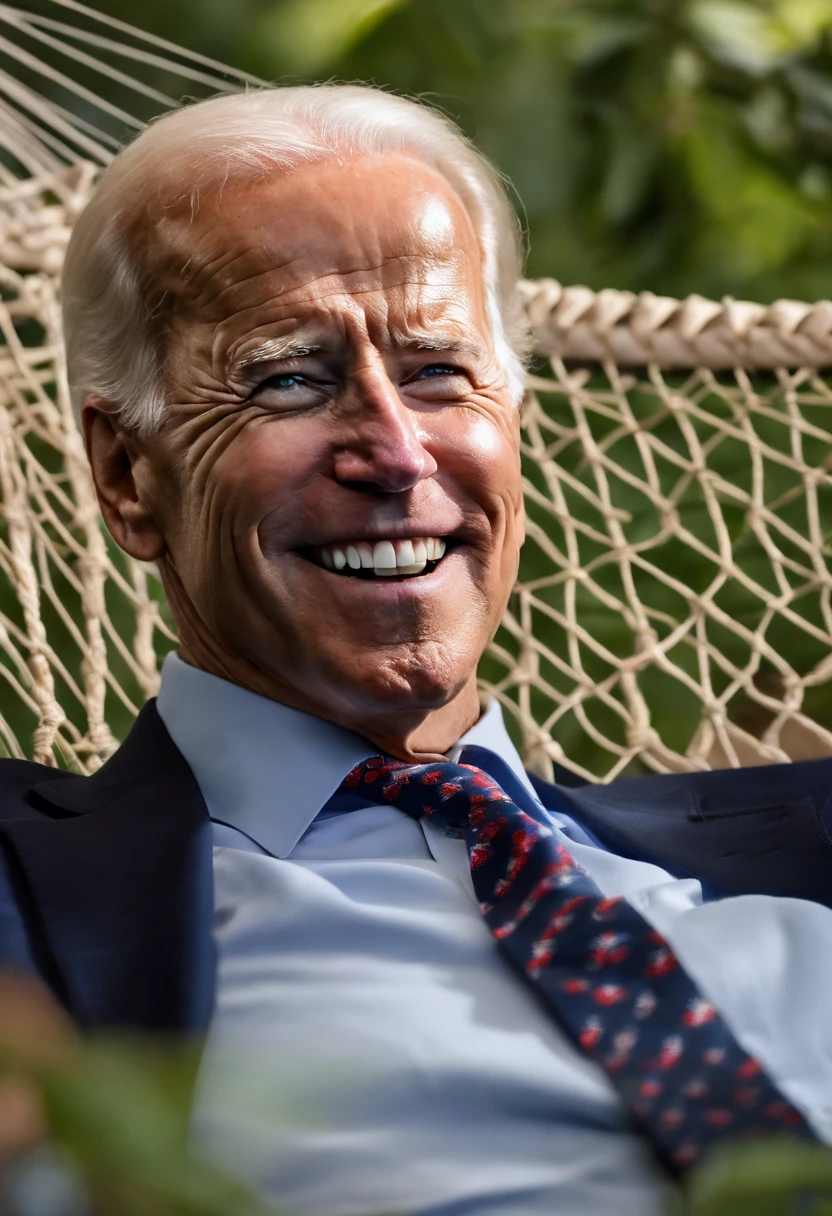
16	950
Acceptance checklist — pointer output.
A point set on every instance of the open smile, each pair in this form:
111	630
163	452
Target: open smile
386	559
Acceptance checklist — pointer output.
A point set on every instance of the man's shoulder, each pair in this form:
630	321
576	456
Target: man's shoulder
17	780
709	789
762	830
146	764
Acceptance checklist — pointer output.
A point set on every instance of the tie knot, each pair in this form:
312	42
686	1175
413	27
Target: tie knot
459	793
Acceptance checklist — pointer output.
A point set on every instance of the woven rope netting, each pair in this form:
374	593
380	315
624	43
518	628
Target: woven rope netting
674	606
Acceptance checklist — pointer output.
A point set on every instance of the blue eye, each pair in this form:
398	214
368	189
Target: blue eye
290	390
287	381
439	369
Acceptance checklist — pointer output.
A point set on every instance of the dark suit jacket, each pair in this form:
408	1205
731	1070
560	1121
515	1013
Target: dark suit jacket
106	882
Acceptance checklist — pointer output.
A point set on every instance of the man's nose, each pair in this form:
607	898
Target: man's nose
385	448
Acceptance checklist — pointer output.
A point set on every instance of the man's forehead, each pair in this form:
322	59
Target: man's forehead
325	219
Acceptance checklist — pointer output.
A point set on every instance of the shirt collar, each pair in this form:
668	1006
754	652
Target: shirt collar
247	751
489	731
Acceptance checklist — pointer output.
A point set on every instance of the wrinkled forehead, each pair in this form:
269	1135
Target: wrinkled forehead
324	230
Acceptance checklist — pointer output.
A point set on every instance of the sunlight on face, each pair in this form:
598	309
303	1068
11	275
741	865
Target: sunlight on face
339	475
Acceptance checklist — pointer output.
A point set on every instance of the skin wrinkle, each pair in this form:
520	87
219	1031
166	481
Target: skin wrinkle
234	491
285	349
161	255
232	362
271	258
354	293
449	340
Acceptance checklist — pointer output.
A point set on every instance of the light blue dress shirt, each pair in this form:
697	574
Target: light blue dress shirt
371	1051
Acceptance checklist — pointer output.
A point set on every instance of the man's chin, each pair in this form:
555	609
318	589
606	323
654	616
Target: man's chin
400	679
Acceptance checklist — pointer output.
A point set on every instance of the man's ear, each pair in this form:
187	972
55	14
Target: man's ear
112	457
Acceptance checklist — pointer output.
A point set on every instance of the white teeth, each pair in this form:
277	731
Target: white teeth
384	556
404	553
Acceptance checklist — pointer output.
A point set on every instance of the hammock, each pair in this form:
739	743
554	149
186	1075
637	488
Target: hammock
674	604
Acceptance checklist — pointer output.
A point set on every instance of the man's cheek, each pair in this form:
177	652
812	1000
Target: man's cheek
488	434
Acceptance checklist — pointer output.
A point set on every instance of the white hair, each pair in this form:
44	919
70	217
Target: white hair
114	338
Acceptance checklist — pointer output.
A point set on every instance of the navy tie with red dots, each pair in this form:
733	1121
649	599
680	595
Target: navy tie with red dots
614	984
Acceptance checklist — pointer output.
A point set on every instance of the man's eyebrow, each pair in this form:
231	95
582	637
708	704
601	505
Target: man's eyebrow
275	348
437	342
290	347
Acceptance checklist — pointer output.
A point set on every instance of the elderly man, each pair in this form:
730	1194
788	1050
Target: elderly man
448	987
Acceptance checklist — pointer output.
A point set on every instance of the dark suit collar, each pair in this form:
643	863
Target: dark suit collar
121	878
742	831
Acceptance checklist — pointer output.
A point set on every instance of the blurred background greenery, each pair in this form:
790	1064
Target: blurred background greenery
675	145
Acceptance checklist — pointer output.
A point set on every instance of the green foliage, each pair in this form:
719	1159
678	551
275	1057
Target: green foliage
321	31
777	1177
118	1113
675	145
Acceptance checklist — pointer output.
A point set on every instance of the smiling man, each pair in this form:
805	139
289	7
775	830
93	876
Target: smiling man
429	982
333	495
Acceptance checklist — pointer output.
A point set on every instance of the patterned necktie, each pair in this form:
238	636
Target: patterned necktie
614	984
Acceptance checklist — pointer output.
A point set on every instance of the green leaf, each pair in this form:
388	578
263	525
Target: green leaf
772	1177
802	22
759	219
584	36
632	162
737	32
756	38
121	1112
812	87
311	34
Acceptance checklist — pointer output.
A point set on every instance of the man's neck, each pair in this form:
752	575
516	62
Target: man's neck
422	737
415	735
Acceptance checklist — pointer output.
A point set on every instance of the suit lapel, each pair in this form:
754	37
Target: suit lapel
122	885
742	831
